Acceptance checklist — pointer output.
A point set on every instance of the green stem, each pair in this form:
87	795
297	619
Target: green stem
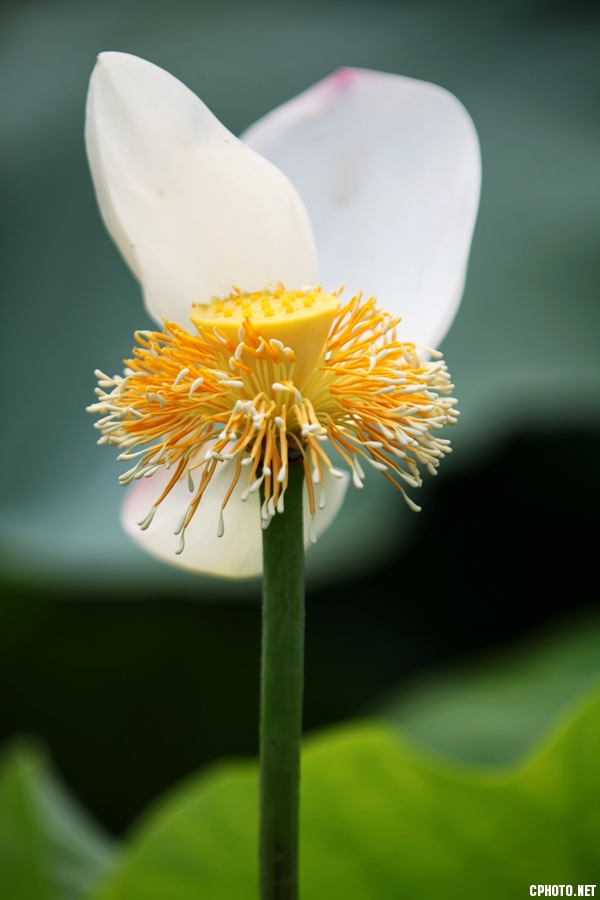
282	684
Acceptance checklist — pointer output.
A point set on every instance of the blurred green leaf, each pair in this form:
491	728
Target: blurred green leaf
49	848
491	712
382	820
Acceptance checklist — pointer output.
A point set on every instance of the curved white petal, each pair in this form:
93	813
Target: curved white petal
238	554
389	169
192	209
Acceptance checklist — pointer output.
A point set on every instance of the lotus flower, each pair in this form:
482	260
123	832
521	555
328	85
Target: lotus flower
366	180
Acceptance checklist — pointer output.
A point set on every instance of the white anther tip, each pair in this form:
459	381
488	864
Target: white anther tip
196	385
357	482
181	375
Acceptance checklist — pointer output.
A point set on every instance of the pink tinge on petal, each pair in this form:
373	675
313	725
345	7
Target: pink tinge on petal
343	77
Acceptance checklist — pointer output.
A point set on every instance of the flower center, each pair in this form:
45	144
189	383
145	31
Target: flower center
271	377
300	319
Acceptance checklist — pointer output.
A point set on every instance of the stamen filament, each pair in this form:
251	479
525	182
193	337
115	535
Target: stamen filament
266	369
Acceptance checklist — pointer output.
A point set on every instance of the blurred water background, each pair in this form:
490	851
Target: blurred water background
133	673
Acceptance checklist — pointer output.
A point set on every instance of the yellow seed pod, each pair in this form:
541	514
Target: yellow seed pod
300	320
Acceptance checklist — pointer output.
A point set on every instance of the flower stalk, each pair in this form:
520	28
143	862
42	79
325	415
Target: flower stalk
282	685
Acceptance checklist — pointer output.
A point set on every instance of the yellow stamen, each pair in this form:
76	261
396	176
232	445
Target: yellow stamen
270	380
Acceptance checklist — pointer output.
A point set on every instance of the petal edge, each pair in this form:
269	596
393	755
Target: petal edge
192	209
389	169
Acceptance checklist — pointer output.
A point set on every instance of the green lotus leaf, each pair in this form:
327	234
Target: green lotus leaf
382	820
493	710
49	848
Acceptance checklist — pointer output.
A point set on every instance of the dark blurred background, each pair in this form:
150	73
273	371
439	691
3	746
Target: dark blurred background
134	674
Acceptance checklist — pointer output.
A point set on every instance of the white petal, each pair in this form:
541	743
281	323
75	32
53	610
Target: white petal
238	554
191	208
389	170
